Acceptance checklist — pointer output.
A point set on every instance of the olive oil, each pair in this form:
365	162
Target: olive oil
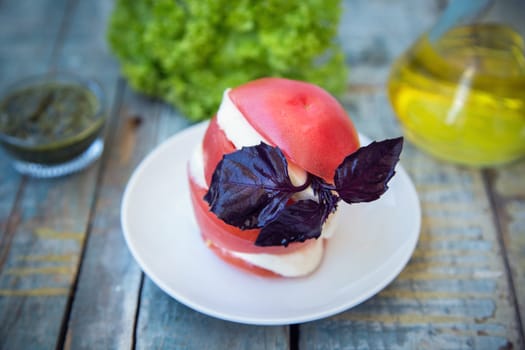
462	97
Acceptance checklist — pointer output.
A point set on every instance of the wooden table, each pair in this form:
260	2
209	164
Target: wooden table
67	279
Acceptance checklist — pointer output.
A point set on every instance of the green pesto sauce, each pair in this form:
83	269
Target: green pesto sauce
47	113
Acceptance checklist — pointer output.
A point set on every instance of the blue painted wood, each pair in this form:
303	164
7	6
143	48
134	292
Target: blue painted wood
47	228
103	312
19	56
509	197
166	324
29	36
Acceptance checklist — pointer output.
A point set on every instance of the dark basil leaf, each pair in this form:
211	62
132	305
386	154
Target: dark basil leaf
250	186
364	174
295	223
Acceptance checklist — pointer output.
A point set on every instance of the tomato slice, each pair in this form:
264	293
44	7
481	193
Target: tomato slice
239	263
227	236
214	145
306	122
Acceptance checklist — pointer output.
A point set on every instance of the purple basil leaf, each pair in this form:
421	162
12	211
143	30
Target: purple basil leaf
364	174
250	186
295	223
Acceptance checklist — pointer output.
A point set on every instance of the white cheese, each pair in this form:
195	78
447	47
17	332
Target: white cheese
294	264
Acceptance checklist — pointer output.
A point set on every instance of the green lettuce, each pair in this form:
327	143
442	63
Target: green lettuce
188	52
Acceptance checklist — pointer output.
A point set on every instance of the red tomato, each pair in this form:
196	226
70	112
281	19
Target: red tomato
306	122
214	146
227	236
242	264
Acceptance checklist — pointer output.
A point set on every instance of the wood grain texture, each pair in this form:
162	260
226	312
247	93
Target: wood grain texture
166	324
509	199
32	286
374	33
17	54
84	48
50	222
29	36
104	306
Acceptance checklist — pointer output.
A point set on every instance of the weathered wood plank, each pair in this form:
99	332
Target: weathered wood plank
103	312
10	184
508	189
166	324
24	37
29	33
85	49
27	41
28	38
42	261
51	220
374	33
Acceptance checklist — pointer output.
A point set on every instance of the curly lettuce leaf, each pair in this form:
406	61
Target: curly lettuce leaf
188	52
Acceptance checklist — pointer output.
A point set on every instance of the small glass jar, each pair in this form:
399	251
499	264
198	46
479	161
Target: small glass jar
459	91
51	124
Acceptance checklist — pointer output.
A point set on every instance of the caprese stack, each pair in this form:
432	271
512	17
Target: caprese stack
274	163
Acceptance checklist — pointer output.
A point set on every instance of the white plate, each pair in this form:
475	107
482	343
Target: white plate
374	242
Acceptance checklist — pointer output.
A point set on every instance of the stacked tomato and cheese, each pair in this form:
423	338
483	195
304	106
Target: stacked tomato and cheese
314	133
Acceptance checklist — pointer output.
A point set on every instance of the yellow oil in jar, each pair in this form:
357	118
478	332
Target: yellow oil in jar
462	97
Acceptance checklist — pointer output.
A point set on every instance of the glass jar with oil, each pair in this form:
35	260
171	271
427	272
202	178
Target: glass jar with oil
459	91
